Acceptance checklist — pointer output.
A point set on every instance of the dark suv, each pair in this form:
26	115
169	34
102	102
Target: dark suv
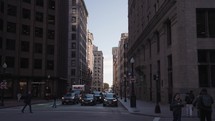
99	96
70	98
110	100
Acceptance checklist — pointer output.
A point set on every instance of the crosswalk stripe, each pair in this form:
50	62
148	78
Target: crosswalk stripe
156	119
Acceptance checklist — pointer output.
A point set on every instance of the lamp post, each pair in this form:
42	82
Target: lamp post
125	88
120	89
3	84
47	92
133	97
157	106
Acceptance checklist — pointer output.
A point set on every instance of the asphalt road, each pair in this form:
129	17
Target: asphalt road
44	112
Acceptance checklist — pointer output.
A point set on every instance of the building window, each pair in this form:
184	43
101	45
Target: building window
11	27
74	28
51	34
73	63
26	13
39	3
74	2
38	32
2	6
38	48
37	64
51	19
205	23
50	49
73	54
73	36
27	1
39	16
73	72
169	32
73	19
11	10
25	46
51	4
73	45
157	37
206	67
150	48
50	65
74	11
10	44
25	30
1	25
10	61
24	63
170	80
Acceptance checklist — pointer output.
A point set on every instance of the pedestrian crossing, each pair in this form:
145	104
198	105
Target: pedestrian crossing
156	119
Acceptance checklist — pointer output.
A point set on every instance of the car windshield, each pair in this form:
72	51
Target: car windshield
69	94
97	93
110	95
88	96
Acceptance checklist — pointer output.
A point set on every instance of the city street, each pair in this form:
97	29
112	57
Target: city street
44	112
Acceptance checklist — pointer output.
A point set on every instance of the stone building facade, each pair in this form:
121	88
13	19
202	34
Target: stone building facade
174	41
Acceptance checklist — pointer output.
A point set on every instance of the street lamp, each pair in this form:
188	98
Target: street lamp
133	97
125	88
120	89
157	106
3	84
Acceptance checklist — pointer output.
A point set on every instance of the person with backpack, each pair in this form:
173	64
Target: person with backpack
205	106
176	107
189	103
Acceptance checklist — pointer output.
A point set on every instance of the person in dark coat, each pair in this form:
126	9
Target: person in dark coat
205	103
177	107
189	103
196	103
54	101
27	102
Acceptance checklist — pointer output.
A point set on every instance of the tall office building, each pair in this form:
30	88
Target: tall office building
90	59
30	46
77	41
120	66
116	83
172	44
97	83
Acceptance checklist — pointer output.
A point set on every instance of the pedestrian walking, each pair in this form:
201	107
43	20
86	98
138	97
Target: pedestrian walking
27	101
189	103
205	103
19	95
54	102
196	103
176	106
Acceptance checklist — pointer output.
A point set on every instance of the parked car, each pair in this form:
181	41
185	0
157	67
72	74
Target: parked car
88	99
70	98
110	99
99	96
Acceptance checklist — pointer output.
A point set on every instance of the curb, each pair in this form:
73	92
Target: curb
151	115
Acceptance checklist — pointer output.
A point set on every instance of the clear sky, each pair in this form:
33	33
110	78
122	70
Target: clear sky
107	20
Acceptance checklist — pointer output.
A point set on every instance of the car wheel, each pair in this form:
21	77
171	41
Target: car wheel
104	105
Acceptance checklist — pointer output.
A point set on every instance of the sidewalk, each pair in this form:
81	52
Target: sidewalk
13	102
148	109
